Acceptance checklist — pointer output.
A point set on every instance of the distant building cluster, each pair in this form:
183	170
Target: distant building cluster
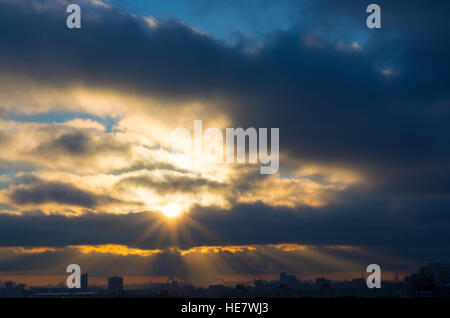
432	280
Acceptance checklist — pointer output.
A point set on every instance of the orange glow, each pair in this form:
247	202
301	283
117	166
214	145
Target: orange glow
218	249
115	250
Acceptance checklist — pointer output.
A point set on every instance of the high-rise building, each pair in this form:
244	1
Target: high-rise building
439	272
84	281
432	279
115	284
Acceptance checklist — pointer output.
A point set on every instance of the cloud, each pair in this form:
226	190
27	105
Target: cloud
363	120
41	192
364	155
61	145
202	266
81	144
405	229
174	183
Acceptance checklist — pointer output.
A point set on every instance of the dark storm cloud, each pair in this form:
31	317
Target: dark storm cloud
410	228
173	183
41	192
75	143
142	165
81	144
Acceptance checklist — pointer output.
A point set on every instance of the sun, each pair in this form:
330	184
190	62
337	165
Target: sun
172	210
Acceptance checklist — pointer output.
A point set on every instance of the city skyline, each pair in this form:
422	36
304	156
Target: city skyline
432	280
130	282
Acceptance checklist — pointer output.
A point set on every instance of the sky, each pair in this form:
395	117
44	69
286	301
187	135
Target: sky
87	174
232	22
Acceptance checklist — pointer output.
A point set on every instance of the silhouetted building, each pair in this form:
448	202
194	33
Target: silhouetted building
13	290
358	283
438	272
84	281
419	284
322	282
115	284
432	280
